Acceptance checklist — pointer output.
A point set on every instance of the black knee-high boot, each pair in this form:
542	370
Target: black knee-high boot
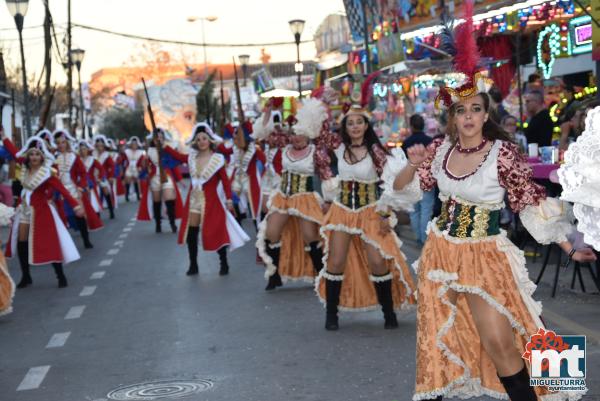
111	208
332	293
157	209
274	251
136	187
192	244
23	254
383	287
170	204
83	229
224	269
517	386
60	275
127	187
316	255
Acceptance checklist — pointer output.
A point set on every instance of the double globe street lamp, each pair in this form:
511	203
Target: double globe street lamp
77	58
18	9
297	26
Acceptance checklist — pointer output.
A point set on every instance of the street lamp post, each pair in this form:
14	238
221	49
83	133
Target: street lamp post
18	9
297	26
244	60
210	18
77	57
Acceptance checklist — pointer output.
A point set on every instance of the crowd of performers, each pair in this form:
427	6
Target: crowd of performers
323	203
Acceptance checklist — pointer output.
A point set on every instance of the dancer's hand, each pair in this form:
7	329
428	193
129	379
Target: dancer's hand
325	207
384	226
417	154
584	255
79	211
230	207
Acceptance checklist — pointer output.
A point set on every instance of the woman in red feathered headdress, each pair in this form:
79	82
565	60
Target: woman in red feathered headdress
38	236
476	312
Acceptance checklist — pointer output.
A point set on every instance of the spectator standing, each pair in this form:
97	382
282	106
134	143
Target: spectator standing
540	126
420	217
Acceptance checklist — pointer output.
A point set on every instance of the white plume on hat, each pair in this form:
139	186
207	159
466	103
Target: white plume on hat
40	144
310	118
45	133
64	132
134	139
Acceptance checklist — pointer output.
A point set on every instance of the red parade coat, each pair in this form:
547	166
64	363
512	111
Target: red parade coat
145	209
49	240
94	169
219	228
249	163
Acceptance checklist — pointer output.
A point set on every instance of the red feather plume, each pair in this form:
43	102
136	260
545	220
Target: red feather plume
467	56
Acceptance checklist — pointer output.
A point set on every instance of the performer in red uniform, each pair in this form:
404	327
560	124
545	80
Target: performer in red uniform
134	153
7	285
162	188
94	172
209	202
73	175
38	235
102	155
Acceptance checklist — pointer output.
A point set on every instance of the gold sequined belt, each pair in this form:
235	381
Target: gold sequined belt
356	194
468	221
292	184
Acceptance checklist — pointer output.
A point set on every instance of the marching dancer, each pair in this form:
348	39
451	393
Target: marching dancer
94	172
73	175
288	238
162	185
364	265
7	285
579	179
134	154
209	206
103	156
38	235
476	312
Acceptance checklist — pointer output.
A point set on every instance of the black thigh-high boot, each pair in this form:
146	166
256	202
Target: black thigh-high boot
136	187
224	265
170	204
274	251
60	275
192	244
83	229
383	287
316	255
127	187
23	254
157	210
333	287
517	386
111	208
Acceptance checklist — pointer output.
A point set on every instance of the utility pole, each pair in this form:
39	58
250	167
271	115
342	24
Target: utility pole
69	66
363	4
47	50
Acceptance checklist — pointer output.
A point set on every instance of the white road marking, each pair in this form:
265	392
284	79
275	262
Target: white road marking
105	262
58	340
97	275
119	243
34	378
87	291
131	224
127	229
75	312
133	219
123	236
113	252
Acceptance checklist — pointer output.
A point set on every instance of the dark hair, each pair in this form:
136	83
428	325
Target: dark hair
495	94
211	145
538	94
506	117
32	145
533	77
416	122
491	129
370	139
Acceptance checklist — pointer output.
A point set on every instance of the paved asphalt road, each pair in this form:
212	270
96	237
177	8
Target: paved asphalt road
130	315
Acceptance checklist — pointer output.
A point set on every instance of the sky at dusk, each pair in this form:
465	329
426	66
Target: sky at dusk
239	21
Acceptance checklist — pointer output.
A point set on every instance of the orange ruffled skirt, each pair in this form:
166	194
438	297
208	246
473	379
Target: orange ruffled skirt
294	261
358	291
450	358
7	287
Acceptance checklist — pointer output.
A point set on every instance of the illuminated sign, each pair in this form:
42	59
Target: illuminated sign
583	34
580	35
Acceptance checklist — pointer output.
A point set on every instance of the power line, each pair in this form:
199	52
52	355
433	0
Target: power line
178	42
